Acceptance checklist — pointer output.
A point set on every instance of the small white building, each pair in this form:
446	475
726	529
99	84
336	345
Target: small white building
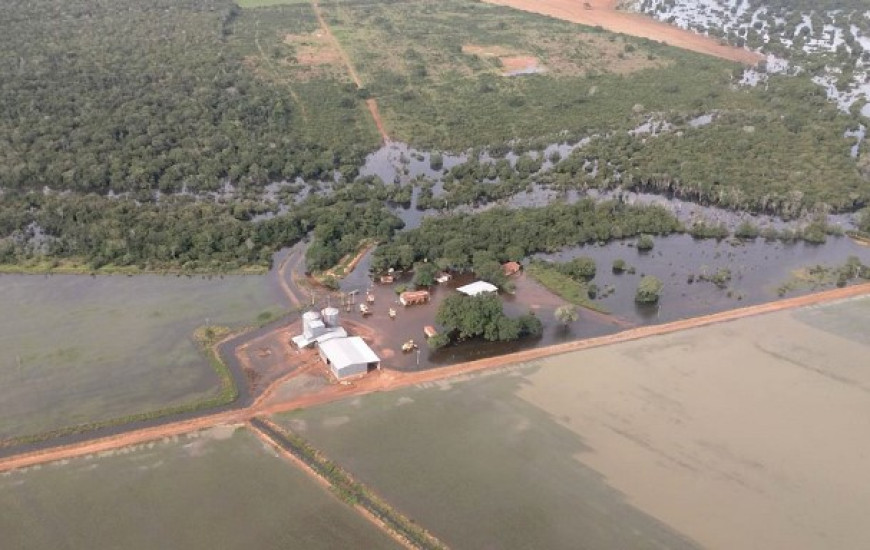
478	287
348	356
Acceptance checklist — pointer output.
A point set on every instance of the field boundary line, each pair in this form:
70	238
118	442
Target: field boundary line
349	496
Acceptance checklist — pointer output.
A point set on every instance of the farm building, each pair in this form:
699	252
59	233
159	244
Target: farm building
477	287
511	268
414	297
348	356
318	327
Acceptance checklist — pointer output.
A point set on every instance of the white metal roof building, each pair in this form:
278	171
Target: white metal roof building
303	341
478	287
348	356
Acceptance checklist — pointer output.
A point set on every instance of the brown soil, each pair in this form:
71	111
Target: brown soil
603	13
386	380
520	62
314	49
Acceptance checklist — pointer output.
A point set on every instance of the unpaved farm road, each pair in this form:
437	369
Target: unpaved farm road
388	380
351	70
603	13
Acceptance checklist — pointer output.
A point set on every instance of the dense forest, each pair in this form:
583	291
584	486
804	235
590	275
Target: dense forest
181	233
144	134
514	234
119	96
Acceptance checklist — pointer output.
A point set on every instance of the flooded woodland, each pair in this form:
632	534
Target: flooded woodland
122	345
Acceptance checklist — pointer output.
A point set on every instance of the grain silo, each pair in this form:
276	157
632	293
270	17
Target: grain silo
330	317
312	325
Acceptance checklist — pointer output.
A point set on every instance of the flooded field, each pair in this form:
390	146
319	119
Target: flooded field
78	349
758	271
748	434
216	489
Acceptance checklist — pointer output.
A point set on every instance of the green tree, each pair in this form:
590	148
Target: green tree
645	242
579	269
424	274
466	317
438	341
566	314
747	230
649	290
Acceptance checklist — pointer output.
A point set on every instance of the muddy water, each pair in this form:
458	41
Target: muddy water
758	269
76	349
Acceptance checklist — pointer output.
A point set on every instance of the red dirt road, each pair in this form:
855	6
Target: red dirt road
351	70
603	13
389	380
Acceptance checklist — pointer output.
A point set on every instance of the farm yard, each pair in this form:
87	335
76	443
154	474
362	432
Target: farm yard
633	445
219	488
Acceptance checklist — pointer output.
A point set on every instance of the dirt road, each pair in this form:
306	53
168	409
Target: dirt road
603	13
351	70
389	380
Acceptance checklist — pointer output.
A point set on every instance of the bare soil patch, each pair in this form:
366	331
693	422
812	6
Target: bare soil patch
515	63
314	50
578	56
604	13
510	60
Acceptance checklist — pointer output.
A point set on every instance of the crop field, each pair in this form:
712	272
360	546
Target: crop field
751	433
216	489
76	349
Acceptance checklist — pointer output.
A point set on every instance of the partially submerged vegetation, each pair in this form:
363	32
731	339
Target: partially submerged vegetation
514	234
821	276
482	316
553	277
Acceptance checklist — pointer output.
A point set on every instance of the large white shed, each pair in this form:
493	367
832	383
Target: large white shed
348	356
478	287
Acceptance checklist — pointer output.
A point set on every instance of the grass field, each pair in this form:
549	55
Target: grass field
437	70
219	489
268	3
76	349
750	434
281	43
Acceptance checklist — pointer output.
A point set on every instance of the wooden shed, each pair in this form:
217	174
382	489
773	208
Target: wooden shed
414	297
511	268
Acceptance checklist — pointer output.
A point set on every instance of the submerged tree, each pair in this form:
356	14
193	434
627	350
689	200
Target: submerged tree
649	290
566	314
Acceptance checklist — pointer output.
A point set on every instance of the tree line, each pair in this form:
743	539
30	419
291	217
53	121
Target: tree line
506	234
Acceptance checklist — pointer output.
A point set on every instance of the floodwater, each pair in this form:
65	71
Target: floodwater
748	434
758	268
78	349
220	488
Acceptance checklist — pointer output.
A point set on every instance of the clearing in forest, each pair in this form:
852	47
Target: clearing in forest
604	14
